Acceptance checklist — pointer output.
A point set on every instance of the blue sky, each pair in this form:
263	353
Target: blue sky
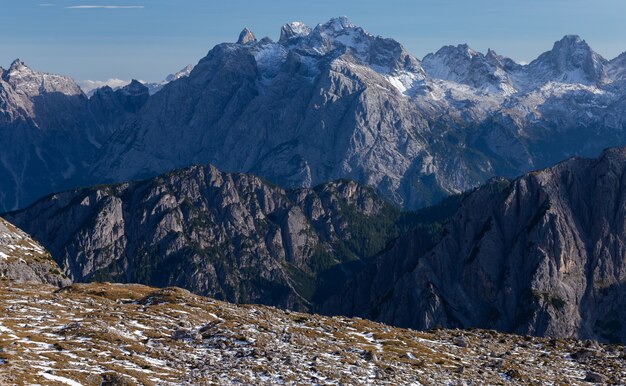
152	38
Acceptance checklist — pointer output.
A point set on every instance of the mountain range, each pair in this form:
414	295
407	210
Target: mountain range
229	236
333	172
89	87
539	255
318	105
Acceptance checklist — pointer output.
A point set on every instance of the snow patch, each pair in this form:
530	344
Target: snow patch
405	82
57	378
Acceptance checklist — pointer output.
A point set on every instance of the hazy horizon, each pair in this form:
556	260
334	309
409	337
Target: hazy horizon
148	39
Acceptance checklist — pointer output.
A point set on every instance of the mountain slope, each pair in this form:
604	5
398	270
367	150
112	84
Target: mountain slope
541	255
23	260
230	236
107	334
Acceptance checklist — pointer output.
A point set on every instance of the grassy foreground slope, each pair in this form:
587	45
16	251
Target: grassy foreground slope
114	334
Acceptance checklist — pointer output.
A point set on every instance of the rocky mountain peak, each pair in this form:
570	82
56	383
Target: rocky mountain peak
572	48
134	87
571	60
246	36
180	74
16	71
133	96
461	64
31	83
448	60
337	33
336	25
18	65
293	30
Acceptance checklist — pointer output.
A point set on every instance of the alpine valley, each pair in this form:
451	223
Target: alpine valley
364	193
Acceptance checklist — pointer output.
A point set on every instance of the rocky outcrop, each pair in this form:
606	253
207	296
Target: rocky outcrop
246	36
542	255
23	260
230	236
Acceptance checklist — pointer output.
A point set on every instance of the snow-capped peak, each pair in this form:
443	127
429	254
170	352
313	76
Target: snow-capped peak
293	30
461	64
180	74
571	60
335	25
335	33
450	63
31	83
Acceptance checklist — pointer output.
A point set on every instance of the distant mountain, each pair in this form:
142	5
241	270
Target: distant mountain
541	255
571	60
89	87
322	104
461	64
230	236
51	132
617	68
337	102
48	134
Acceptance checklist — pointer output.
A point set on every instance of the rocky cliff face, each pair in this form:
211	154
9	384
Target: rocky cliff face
543	255
231	236
23	260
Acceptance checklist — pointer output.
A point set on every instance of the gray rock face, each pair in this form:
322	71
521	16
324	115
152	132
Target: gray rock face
23	260
246	36
230	236
617	67
544	254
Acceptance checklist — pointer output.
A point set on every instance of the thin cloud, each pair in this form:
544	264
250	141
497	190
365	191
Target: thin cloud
106	7
46	5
